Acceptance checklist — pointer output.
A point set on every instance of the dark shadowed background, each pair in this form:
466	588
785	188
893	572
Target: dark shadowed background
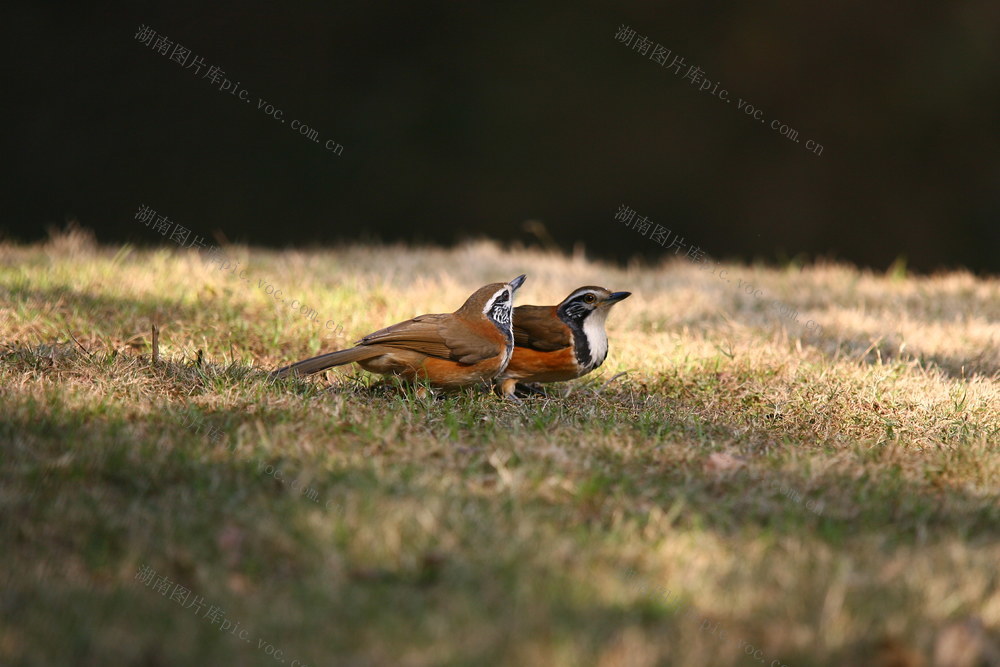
459	120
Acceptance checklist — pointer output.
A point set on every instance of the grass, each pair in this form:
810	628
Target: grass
732	487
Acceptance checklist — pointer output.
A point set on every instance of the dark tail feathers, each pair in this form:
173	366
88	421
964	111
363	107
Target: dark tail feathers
329	360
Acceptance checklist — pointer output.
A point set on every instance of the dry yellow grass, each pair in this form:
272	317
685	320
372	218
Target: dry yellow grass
817	495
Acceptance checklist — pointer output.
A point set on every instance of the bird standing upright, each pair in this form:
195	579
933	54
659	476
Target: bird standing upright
558	343
448	350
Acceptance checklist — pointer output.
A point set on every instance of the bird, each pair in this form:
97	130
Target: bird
559	343
447	350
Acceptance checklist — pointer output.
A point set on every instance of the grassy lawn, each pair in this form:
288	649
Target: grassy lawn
733	487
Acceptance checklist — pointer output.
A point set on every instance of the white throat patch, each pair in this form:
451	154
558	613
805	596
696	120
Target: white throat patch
597	337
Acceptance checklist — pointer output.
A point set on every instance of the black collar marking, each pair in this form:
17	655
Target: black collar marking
573	314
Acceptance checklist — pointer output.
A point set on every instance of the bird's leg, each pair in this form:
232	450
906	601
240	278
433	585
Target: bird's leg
507	388
533	389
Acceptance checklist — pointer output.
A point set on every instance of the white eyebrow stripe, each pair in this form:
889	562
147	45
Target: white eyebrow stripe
580	293
489	304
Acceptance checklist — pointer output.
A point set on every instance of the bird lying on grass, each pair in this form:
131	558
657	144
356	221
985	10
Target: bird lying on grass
450	350
558	343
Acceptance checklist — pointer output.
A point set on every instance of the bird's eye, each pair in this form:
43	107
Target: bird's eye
589	298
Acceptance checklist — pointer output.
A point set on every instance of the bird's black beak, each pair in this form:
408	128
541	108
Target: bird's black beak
615	297
517	282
